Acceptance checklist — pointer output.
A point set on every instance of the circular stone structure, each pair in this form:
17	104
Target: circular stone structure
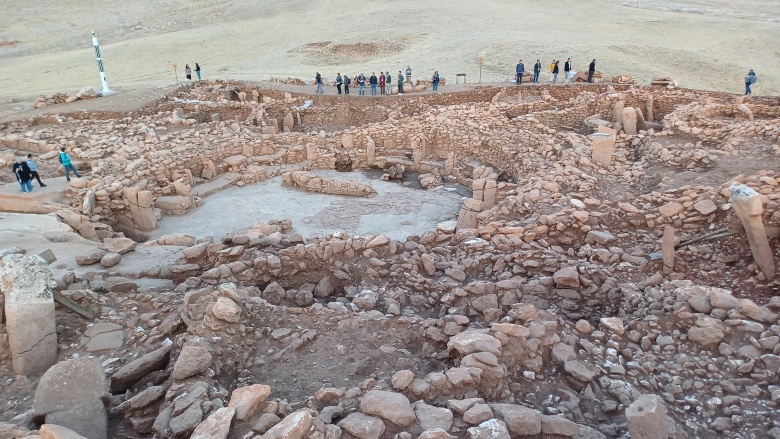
397	210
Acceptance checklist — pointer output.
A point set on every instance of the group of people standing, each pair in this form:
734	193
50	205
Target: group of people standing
382	84
568	70
26	171
188	71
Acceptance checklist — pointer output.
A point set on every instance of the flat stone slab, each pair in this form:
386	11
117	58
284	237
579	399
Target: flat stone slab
211	187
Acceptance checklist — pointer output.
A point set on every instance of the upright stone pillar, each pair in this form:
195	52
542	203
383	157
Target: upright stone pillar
489	195
311	152
617	112
748	207
603	148
142	208
449	164
641	125
629	121
650	112
468	217
646	418
667	249
370	151
27	284
478	189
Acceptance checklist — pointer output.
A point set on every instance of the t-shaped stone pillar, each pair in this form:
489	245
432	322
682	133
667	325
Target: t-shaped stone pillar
27	283
646	418
748	207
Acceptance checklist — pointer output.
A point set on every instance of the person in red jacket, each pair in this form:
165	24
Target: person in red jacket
381	83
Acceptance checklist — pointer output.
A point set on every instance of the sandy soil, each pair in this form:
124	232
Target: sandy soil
704	44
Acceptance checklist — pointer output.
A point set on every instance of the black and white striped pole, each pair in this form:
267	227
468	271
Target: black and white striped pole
106	90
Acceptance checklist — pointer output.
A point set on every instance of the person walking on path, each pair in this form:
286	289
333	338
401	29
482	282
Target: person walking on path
339	81
318	80
382	83
197	70
23	175
65	160
347	81
435	81
537	70
552	67
34	170
519	70
373	81
389	81
188	72
555	72
591	70
567	70
408	74
361	80
750	79
400	84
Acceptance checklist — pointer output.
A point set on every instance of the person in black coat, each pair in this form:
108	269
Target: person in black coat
555	72
567	70
537	70
373	81
23	175
591	70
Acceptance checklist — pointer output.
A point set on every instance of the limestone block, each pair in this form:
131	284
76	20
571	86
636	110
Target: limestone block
489	197
744	109
607	130
234	160
312	182
603	149
80	223
53	431
311	152
142	208
209	170
617	112
650	112
449	163
478	189
629	121
749	208
646	418
72	394
347	142
27	283
468	216
370	151
288	122
641	125
175	203
216	426
181	188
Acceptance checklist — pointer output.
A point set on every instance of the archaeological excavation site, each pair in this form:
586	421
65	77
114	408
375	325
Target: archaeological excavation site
239	261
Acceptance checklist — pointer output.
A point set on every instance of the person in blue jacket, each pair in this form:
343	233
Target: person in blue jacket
750	79
519	70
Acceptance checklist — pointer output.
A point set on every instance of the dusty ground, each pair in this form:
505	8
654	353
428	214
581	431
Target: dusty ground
704	44
397	210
